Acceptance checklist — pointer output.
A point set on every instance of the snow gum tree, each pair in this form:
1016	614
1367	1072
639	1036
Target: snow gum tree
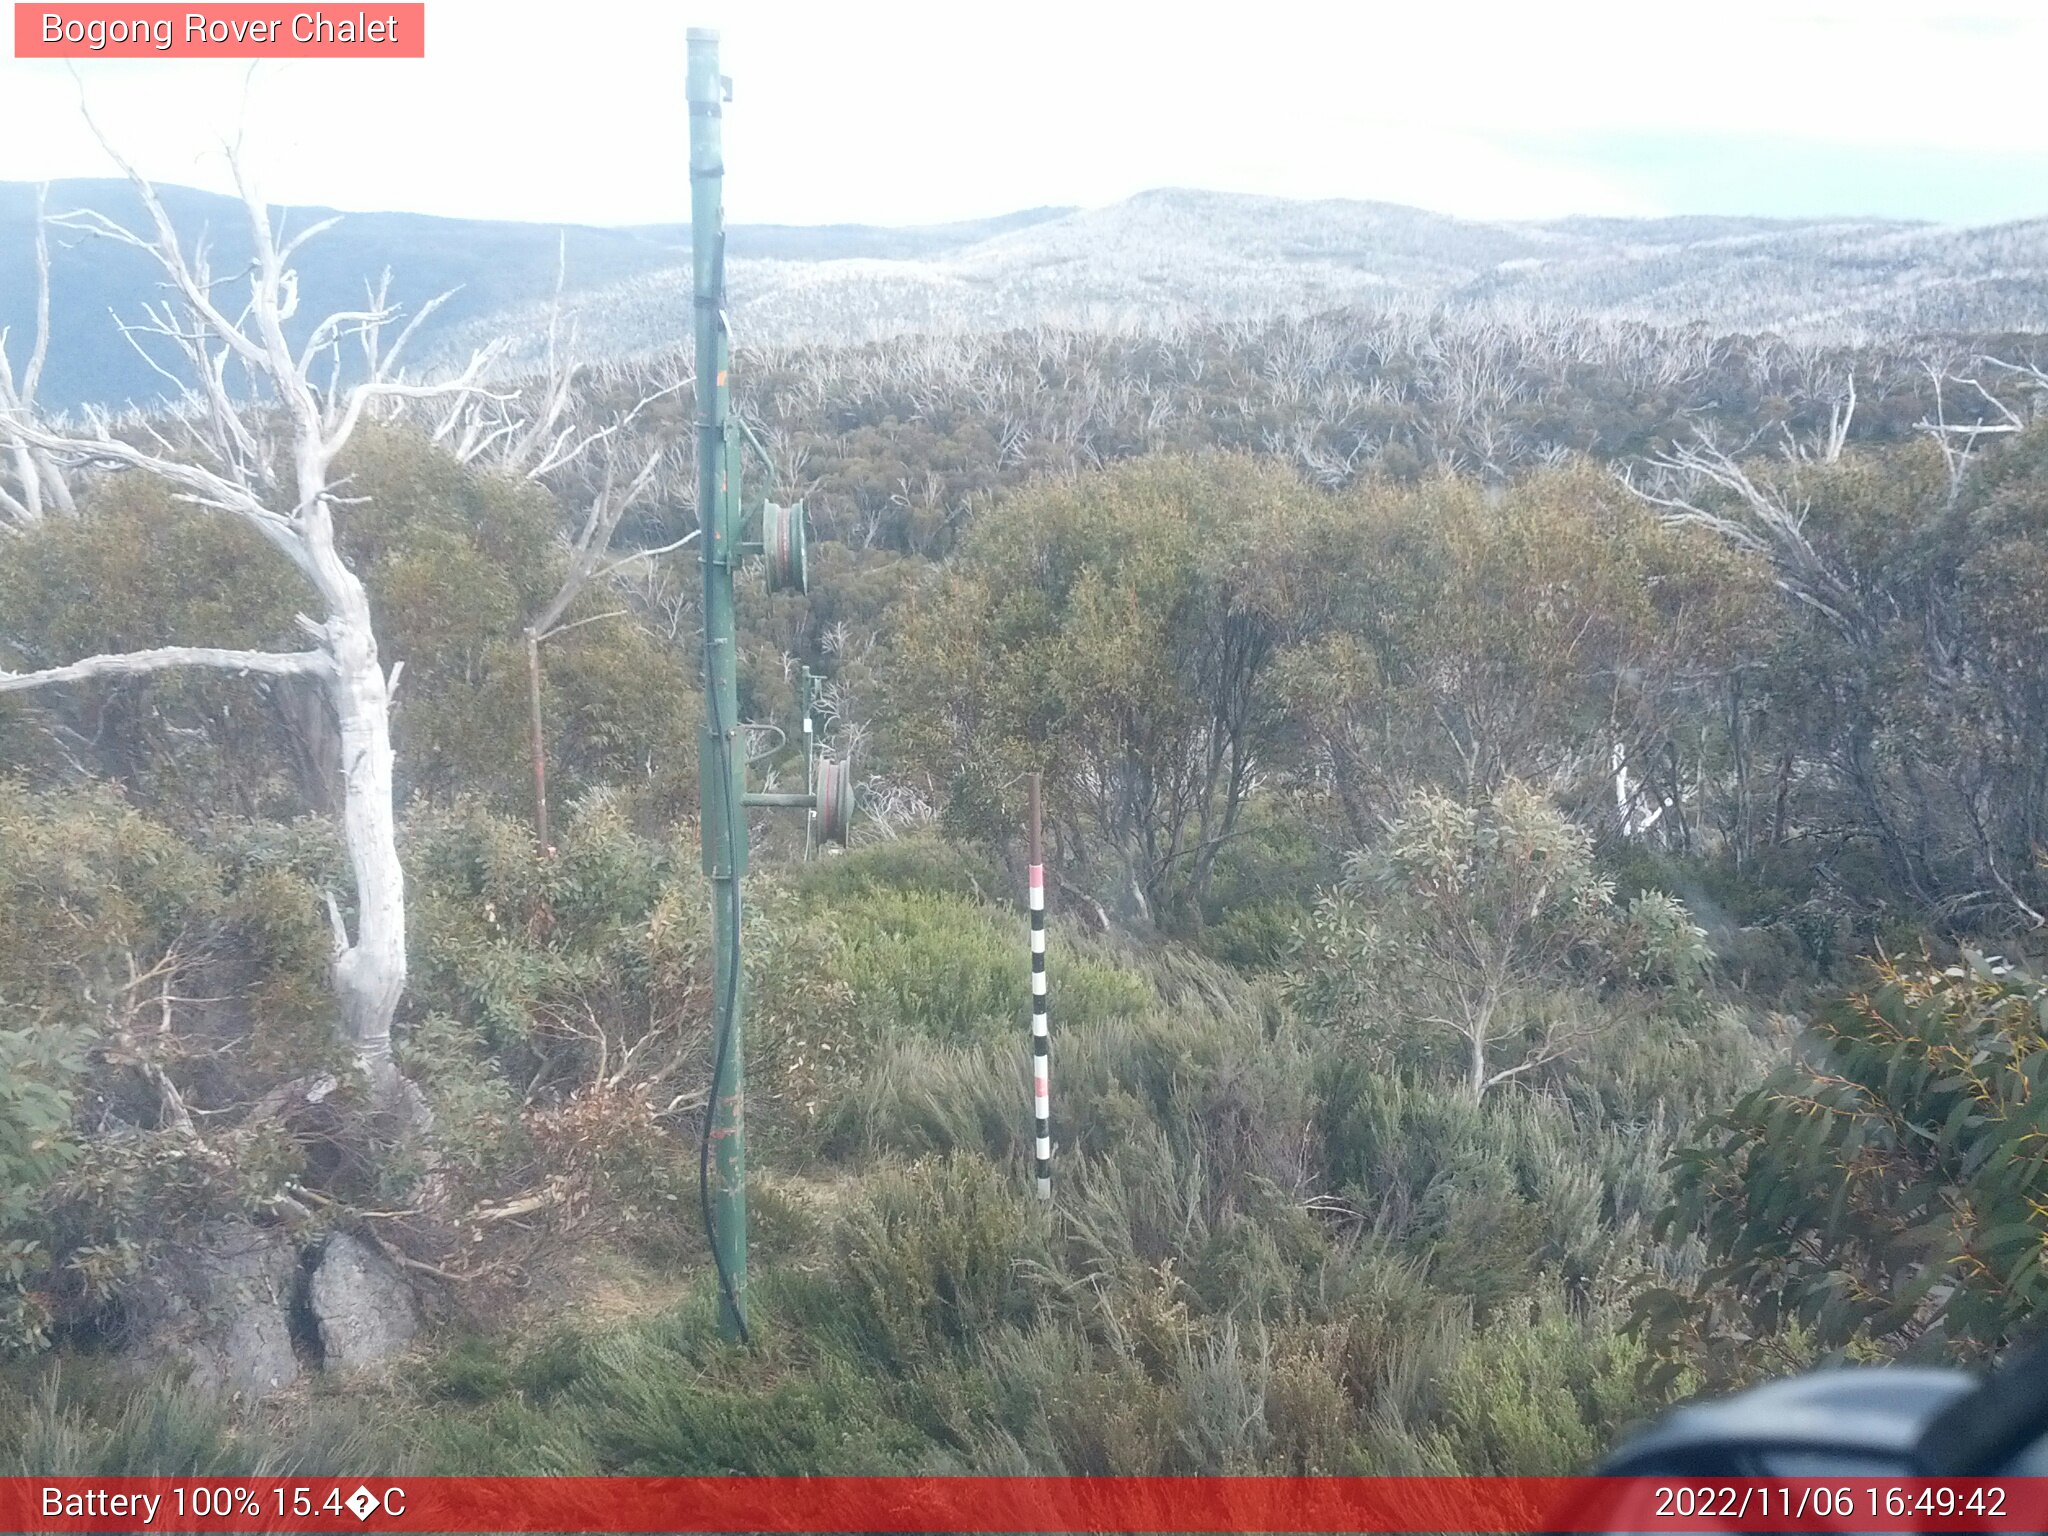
259	422
1486	927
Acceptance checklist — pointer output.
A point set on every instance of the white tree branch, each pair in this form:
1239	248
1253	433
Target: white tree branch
360	397
168	658
201	485
645	554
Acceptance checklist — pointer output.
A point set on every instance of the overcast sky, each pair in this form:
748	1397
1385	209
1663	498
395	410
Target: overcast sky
892	111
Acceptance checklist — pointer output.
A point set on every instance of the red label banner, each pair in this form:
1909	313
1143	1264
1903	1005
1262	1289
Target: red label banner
1020	1504
226	31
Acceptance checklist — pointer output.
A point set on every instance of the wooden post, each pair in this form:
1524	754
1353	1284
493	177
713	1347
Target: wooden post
1041	1035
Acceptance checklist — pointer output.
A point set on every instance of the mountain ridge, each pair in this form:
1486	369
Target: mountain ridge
1160	256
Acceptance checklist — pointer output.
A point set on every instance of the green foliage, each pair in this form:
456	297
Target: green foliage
1902	694
514	941
141	569
1886	1190
456	564
1775	928
1114	631
1488	924
109	913
91	887
1465	636
564	1008
919	865
40	1069
1499	1202
818	1418
85	1419
1546	1397
1259	896
933	1257
1262	1257
956	970
928	965
918	1097
38	1074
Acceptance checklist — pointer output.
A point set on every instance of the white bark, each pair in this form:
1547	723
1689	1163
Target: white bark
1755	517
270	464
36	486
369	975
593	542
164	659
540	434
1958	439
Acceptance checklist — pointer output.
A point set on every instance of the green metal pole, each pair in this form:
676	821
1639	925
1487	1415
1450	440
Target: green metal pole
721	761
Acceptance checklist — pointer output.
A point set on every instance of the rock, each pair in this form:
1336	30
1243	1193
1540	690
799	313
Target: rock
220	1304
361	1305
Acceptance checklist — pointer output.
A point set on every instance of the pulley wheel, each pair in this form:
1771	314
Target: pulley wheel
835	799
782	542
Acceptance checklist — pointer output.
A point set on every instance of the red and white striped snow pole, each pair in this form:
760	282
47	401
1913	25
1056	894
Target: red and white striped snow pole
1041	1035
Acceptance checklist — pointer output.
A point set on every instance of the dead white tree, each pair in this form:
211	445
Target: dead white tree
589	560
32	485
1992	415
1756	517
2027	376
532	430
541	432
1840	399
255	437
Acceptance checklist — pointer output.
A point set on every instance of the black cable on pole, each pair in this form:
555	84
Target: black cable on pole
723	1018
725	1010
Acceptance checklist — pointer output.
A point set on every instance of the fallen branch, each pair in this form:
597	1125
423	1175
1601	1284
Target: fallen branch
526	1205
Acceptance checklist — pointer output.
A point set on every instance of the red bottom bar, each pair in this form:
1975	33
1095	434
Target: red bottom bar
1020	1504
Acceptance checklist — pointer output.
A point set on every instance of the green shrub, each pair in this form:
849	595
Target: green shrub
1501	1201
933	1255
1479	940
1260	889
1061	1407
469	1370
1886	1191
918	1097
88	1419
923	864
1544	1397
951	969
933	966
39	1073
135	961
1259	936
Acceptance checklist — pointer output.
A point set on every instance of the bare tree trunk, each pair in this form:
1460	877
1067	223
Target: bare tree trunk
29	486
39	484
369	975
540	749
1479	1026
1779	815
